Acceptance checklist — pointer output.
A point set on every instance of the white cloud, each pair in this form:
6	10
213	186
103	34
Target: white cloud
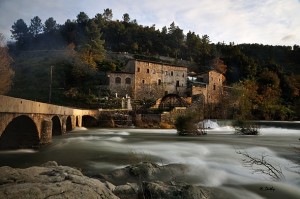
274	22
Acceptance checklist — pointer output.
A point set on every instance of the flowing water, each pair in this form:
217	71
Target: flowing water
212	159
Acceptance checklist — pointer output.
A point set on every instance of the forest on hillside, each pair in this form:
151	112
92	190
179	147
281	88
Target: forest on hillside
82	51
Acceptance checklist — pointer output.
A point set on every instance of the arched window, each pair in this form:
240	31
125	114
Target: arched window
118	80
127	80
159	82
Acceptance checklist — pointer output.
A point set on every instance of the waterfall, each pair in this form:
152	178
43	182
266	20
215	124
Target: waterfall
208	124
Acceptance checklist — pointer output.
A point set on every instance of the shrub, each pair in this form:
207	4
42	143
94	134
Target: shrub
185	125
245	128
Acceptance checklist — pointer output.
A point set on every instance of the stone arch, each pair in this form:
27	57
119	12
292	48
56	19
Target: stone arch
89	121
170	101
56	126
69	124
21	132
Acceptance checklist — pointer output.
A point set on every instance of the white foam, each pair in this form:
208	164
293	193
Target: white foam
273	131
80	129
18	151
115	139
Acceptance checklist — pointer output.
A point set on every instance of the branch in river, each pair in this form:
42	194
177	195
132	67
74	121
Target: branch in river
261	165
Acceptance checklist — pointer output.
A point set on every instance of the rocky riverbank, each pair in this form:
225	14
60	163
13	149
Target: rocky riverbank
143	180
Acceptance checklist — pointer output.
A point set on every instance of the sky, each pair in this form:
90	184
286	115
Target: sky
268	22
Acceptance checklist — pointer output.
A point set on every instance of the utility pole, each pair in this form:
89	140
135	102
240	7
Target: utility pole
50	86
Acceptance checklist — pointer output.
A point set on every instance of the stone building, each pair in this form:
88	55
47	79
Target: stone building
208	86
148	80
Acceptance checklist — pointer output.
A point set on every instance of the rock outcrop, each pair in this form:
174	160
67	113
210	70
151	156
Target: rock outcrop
144	180
149	180
145	171
50	181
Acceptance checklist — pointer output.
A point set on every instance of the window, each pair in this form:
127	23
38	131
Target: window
183	75
143	81
118	80
159	82
171	73
127	80
147	70
177	83
214	87
138	69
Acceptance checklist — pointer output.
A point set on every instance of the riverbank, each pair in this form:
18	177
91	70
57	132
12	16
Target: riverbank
144	180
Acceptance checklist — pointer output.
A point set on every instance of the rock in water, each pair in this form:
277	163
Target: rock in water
50	181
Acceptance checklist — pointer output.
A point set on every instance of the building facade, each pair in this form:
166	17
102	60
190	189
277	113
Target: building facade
148	80
209	86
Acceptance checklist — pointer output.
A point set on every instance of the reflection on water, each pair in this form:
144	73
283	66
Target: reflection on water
212	159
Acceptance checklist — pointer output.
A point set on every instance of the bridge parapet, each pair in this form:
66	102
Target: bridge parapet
17	105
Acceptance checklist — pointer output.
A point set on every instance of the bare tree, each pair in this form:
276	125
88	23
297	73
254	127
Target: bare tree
261	165
6	73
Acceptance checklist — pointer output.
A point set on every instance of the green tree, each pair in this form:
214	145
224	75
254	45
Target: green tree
82	18
36	26
20	33
91	46
50	25
107	14
176	37
193	46
126	18
205	49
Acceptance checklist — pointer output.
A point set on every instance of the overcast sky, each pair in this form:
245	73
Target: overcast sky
273	22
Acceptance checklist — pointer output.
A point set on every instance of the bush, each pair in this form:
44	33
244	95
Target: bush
185	125
245	128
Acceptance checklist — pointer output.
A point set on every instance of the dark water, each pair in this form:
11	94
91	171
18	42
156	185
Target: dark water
212	159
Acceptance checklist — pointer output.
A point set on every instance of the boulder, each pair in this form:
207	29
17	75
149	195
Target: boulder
127	191
173	190
145	171
50	181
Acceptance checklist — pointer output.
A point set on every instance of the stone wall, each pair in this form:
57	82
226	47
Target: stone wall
154	80
122	84
210	85
170	117
215	87
149	80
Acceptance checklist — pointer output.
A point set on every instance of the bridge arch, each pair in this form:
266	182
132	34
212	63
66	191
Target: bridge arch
21	132
56	126
170	101
89	121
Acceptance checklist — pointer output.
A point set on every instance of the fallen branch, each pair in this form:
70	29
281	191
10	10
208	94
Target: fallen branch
264	167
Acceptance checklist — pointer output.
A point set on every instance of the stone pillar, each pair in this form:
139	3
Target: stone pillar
79	120
46	133
129	107
123	103
63	120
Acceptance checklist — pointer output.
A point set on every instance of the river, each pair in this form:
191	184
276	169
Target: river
212	159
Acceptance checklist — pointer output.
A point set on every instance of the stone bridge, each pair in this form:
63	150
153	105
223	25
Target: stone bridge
29	124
